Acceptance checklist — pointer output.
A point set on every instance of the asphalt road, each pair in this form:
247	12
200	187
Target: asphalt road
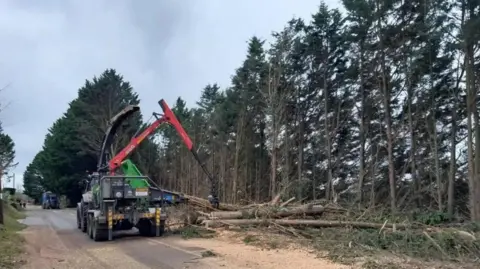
54	239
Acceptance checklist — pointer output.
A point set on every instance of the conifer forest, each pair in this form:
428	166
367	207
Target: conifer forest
371	106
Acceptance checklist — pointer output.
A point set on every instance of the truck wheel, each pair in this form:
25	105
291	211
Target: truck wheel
90	226
83	224
98	234
79	223
83	218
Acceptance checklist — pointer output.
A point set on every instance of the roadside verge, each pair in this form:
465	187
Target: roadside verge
11	242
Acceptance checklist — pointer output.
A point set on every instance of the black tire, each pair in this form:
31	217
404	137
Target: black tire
83	217
99	233
79	223
90	226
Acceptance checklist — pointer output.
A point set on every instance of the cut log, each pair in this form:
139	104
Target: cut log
204	203
271	212
276	199
299	222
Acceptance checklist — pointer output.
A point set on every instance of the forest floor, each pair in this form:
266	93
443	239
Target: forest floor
52	241
342	239
264	246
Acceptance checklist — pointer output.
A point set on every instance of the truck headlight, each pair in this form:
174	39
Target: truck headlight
118	194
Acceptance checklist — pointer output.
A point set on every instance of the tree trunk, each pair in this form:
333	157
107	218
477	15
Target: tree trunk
273	163
237	159
388	122
302	222
438	177
328	189
300	157
361	170
271	212
1	199
453	161
471	162
413	143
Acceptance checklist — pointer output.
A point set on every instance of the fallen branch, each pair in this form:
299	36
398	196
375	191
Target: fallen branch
271	212
300	222
436	244
287	202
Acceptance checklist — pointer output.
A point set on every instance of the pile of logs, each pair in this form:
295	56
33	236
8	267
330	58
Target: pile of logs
275	213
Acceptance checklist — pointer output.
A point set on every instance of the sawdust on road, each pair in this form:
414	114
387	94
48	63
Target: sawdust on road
46	249
54	242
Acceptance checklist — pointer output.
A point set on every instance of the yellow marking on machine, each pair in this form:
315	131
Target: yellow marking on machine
146	215
118	217
110	218
141	192
157	216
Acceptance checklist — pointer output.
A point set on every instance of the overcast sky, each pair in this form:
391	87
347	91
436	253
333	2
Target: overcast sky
165	48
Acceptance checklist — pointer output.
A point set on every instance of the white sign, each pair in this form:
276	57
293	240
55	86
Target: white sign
141	193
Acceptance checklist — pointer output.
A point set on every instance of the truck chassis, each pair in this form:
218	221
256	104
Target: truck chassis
116	206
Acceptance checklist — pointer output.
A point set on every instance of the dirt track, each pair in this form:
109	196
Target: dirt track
53	241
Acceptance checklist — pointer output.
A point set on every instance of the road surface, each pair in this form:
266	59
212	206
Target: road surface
53	241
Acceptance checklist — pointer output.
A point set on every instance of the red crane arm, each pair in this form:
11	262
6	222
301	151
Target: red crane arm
172	120
168	117
117	160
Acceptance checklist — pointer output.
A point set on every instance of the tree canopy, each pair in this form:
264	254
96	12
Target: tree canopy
375	105
7	162
7	153
72	144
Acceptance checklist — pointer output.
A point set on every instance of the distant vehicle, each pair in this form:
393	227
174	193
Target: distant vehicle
50	201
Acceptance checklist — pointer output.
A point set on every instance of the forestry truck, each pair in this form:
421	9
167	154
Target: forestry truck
120	200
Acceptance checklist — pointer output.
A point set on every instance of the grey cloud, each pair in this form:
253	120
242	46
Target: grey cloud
164	48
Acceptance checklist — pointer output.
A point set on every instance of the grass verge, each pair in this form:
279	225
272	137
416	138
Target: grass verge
379	249
189	232
11	243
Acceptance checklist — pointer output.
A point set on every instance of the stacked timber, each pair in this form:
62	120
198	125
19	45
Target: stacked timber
276	213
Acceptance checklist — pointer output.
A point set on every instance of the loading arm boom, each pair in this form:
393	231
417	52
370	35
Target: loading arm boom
172	120
167	117
117	160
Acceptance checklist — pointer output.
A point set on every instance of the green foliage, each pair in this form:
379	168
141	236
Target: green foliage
433	218
346	246
72	145
10	191
7	153
190	232
248	239
10	241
